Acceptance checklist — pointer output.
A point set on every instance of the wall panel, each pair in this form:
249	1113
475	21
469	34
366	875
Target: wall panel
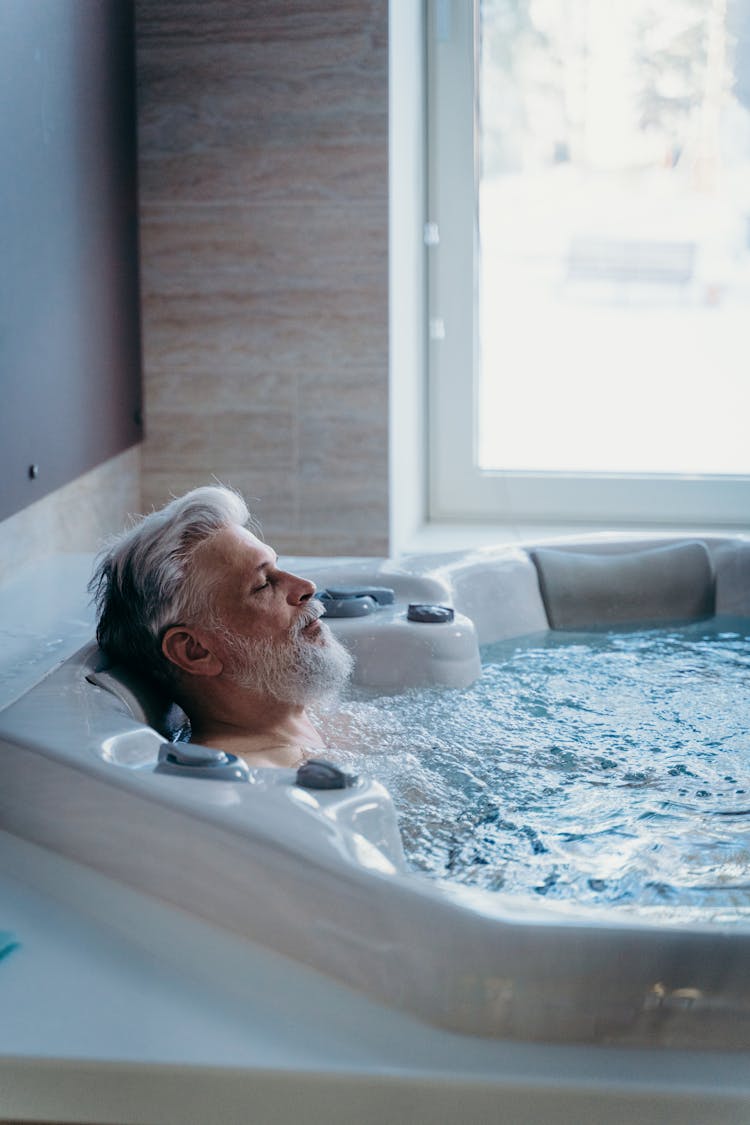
69	312
263	165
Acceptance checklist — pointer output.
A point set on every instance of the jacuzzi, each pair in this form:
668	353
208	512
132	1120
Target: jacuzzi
319	875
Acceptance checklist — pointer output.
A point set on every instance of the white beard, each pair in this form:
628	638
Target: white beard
298	671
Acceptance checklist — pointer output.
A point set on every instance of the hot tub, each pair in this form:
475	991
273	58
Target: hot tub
319	875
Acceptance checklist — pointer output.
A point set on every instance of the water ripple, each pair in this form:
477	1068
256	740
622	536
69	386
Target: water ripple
583	767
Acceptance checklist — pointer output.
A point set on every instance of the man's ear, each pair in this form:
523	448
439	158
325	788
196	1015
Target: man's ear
185	649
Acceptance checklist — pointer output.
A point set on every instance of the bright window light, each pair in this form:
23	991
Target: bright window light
614	234
589	261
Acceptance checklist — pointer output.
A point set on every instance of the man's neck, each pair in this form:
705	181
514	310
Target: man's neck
263	732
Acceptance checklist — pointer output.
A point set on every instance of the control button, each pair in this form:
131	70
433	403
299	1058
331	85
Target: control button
430	614
317	773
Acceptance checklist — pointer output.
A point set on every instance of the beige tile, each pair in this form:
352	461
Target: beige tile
290	330
340	497
180	442
343	468
263	177
217	392
352	445
331	169
272	498
354	24
217	248
349	513
338	543
358	391
224	95
342	524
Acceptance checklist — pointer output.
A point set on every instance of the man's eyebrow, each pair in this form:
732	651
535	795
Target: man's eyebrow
268	562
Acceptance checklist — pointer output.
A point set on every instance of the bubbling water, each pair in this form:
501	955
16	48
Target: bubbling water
602	767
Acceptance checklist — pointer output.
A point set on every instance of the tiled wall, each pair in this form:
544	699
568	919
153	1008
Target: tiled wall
263	164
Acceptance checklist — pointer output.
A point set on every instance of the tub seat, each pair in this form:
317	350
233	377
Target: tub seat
676	582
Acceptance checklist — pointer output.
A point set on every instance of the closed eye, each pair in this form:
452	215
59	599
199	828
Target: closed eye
267	575
270	577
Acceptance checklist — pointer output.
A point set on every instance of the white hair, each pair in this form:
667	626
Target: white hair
144	580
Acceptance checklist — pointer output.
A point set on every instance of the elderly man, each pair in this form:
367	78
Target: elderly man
191	596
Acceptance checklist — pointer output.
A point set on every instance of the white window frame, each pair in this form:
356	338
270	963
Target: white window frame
458	490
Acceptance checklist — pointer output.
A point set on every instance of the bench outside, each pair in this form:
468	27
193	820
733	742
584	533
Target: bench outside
630	261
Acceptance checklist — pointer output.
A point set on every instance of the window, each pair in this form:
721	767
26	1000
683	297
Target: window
589	166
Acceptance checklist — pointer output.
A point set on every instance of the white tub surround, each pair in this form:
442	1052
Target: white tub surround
319	876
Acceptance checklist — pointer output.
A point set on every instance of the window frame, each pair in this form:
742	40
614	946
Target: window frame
458	489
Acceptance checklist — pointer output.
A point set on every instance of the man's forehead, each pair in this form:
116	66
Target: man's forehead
236	545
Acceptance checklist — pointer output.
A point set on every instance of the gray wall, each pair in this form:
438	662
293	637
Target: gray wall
263	166
69	311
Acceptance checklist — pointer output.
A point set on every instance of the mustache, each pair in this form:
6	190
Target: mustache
312	611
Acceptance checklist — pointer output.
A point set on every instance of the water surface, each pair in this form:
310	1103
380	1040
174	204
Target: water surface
600	767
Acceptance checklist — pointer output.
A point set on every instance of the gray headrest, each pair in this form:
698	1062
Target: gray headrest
672	583
144	699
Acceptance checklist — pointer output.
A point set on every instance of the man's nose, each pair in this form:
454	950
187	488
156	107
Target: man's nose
300	589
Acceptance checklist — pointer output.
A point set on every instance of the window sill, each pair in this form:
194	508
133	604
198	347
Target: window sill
453	536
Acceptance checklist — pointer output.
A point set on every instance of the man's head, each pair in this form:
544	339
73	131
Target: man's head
190	591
